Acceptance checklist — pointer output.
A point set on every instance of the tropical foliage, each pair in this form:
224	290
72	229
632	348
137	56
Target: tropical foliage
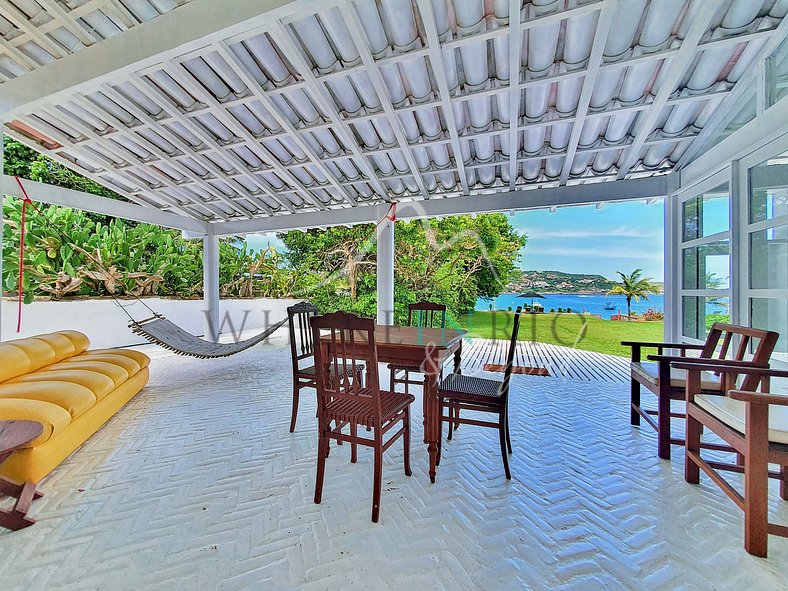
634	286
70	253
455	261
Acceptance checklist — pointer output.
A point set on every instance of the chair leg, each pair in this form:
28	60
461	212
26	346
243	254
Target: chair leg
406	442
756	481
322	452
691	469
294	415
634	397
451	422
508	437
502	437
441	407
663	422
378	478
392	377
353	446
457	416
784	483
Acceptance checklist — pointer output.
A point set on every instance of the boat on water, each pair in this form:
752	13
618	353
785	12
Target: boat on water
608	306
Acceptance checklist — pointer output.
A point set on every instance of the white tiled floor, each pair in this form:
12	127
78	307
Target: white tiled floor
197	484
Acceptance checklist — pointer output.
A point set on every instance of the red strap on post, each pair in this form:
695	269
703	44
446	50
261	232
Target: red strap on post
25	203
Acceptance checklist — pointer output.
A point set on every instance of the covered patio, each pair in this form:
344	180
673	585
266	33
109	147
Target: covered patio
228	119
189	489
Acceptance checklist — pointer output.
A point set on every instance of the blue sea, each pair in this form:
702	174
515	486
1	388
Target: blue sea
591	303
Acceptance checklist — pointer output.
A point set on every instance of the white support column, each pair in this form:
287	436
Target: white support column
210	278
672	266
2	199
385	271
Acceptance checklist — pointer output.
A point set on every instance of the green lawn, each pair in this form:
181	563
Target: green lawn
571	330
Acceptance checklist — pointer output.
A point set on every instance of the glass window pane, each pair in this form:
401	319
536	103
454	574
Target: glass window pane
778	73
769	189
706	214
707	266
769	258
698	313
772	314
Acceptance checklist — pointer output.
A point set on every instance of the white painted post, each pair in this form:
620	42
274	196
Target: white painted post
385	271
672	266
2	199
210	278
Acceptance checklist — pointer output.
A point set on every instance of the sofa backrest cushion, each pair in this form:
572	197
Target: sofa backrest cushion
22	356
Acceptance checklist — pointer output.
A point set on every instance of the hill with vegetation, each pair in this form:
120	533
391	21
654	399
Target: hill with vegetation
558	282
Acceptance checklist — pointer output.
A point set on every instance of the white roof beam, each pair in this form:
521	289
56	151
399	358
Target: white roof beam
601	34
515	48
722	115
107	165
178	31
66	19
319	94
55	195
166	158
361	41
128	158
675	69
19	19
587	194
235	64
439	69
156	95
180	74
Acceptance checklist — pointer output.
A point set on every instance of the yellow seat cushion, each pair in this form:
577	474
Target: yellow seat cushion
115	372
97	382
73	398
649	370
732	413
131	361
54	418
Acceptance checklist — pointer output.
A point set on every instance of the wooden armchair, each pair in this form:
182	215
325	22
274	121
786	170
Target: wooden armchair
755	426
669	384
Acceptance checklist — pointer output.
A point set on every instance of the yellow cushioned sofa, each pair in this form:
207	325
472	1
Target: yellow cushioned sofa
72	392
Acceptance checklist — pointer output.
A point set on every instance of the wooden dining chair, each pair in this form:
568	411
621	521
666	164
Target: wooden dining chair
460	392
302	353
668	384
346	402
426	315
754	423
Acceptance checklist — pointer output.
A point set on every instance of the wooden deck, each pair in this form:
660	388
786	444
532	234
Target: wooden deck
563	363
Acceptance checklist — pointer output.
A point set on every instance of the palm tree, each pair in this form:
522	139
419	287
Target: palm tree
634	286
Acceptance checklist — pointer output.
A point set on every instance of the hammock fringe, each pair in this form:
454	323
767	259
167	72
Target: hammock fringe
160	331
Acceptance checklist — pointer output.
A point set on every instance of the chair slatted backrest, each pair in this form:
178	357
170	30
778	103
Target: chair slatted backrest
761	341
351	340
507	374
426	313
301	342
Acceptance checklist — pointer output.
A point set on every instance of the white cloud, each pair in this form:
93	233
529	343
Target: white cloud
602	253
618	232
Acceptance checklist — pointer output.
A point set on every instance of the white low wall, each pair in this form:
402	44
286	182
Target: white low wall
105	323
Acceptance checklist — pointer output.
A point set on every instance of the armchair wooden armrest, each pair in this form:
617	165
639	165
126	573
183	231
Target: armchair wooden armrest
683	346
660	347
759	397
726	365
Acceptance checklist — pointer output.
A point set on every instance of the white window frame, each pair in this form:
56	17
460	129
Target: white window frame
677	272
745	292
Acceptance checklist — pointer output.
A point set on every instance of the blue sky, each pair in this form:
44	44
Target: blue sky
618	237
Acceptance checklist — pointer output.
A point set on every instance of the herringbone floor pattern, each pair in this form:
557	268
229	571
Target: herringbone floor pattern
197	484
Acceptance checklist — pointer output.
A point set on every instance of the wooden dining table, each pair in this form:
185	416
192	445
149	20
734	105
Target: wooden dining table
428	347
